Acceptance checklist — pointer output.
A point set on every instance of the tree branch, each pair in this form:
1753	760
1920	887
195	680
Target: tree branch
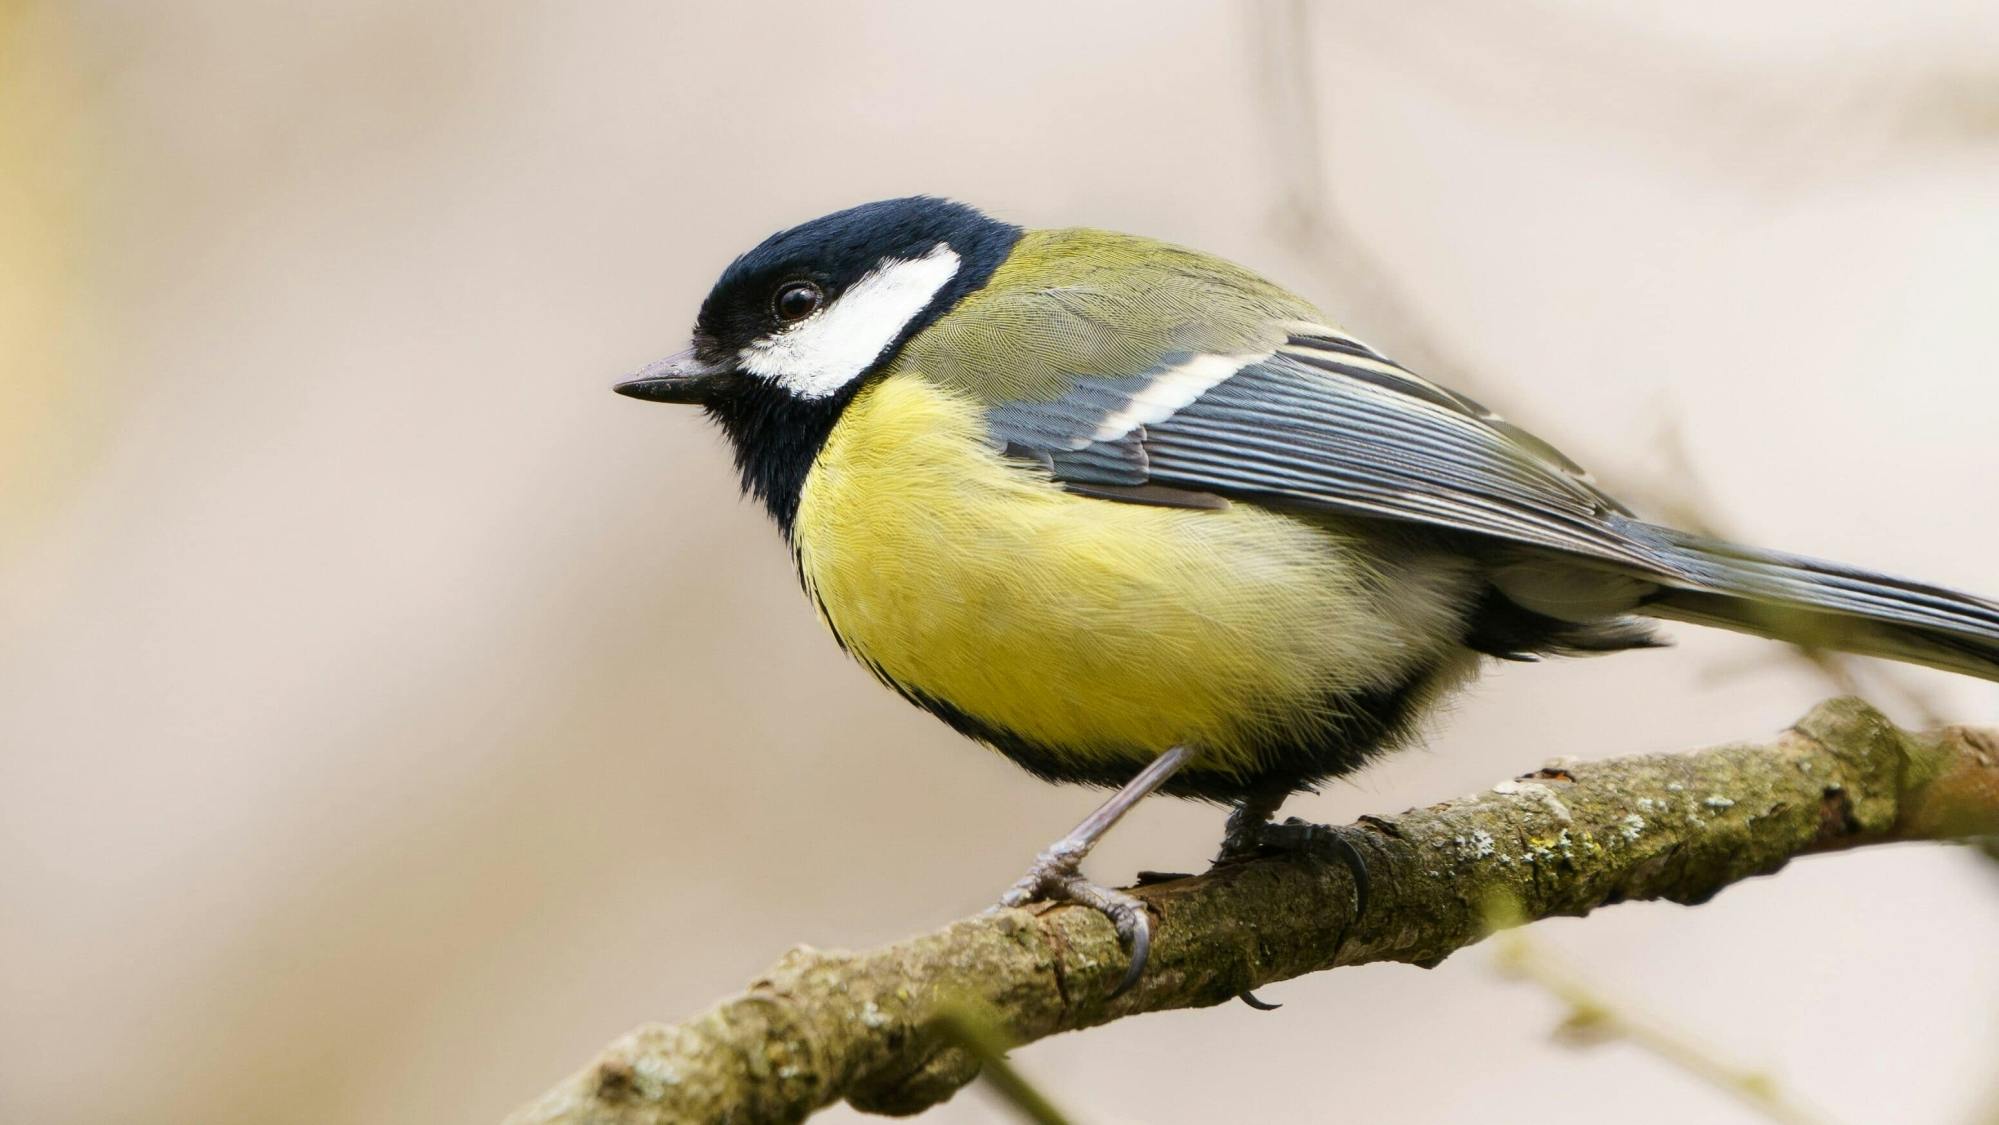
872	1027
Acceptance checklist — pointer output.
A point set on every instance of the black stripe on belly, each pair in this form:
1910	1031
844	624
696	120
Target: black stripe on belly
1356	727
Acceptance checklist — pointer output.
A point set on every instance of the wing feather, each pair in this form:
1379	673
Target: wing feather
1325	422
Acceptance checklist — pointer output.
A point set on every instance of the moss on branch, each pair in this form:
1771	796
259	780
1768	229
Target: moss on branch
822	1026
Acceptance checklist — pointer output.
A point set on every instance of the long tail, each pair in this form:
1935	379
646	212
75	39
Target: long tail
1827	605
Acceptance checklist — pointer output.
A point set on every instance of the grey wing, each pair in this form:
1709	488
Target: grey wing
1323	422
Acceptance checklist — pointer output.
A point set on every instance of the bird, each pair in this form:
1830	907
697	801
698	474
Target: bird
1138	518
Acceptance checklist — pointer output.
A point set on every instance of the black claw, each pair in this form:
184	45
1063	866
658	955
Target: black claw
1356	865
1253	1001
1323	840
1135	931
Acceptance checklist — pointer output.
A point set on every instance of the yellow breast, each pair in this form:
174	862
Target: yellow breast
1105	630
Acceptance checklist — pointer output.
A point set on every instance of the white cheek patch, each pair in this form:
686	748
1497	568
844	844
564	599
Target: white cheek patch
832	347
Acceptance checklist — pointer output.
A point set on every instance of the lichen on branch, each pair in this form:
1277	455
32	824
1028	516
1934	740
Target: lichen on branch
872	1028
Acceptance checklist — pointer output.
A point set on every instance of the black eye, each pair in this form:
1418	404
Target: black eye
797	300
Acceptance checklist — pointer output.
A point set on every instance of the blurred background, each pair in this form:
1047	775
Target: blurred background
390	715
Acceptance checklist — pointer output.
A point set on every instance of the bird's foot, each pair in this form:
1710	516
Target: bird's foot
1249	836
1057	877
1294	836
1243	840
1251	833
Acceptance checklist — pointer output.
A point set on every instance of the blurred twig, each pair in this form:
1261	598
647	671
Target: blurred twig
1594	1017
1565	840
1307	215
966	1027
1688	505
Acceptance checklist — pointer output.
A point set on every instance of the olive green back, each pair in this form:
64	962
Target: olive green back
1075	302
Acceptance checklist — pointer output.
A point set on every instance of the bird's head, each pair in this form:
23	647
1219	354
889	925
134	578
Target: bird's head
811	311
794	328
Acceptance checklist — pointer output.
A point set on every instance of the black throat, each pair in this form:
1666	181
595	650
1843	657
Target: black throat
777	435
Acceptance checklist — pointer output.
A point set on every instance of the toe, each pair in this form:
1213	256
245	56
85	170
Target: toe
1019	895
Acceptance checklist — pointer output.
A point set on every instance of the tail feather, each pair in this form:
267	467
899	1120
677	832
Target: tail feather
1826	605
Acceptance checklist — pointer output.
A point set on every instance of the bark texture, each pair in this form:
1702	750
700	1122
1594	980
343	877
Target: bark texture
821	1026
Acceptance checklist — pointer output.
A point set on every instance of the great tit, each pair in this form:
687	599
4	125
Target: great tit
1136	517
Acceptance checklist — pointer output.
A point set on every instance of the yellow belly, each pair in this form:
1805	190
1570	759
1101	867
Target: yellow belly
1109	631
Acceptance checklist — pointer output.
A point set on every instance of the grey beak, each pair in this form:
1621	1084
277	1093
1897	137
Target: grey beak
678	378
